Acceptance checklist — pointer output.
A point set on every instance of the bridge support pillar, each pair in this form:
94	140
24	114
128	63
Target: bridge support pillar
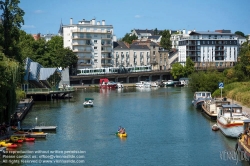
150	77
161	76
92	80
116	79
127	80
139	78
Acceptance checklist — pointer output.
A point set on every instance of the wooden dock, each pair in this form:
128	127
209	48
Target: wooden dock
32	134
40	128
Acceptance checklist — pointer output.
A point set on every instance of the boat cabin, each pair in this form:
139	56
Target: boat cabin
204	95
230	109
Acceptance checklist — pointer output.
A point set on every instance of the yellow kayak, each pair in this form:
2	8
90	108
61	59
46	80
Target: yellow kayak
122	135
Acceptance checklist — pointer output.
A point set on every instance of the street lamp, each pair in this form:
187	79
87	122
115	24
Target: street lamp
36	121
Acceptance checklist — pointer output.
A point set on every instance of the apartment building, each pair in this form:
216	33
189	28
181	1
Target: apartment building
127	55
91	41
219	48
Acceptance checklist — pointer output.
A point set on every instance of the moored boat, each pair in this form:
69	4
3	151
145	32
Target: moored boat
230	120
143	84
211	107
168	83
242	145
7	144
199	98
106	84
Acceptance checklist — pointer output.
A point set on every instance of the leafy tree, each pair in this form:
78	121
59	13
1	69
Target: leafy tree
165	40
240	33
205	81
12	18
127	38
242	68
177	70
156	31
189	67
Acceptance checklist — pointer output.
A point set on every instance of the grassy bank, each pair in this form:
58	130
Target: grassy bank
239	91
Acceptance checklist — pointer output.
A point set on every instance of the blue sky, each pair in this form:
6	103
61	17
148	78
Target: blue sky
45	16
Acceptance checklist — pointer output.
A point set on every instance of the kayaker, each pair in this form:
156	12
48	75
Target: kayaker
119	128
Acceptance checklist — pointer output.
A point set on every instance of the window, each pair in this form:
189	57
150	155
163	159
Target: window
96	55
95	60
95	41
95	48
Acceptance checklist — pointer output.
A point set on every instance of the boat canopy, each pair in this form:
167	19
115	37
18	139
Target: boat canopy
86	99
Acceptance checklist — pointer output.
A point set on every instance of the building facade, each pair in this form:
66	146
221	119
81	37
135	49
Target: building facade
219	48
91	41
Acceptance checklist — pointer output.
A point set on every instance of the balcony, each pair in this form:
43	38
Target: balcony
85	64
83	50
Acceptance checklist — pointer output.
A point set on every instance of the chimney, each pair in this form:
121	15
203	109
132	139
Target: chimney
93	21
71	21
98	22
103	22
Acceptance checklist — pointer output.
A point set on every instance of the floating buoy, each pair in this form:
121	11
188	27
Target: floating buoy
215	127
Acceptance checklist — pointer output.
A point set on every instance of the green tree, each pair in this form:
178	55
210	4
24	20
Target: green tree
12	18
205	81
128	38
165	40
240	33
177	70
155	31
189	67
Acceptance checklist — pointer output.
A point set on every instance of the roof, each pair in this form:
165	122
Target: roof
138	46
156	37
139	31
208	33
120	45
231	106
45	73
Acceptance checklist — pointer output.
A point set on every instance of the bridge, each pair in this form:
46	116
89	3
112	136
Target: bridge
134	77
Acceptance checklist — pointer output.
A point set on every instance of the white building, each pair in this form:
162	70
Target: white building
219	48
92	42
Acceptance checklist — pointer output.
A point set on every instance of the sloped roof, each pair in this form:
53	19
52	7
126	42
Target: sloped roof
119	45
155	37
138	46
139	31
45	73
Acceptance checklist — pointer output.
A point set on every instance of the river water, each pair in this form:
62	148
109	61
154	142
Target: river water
163	129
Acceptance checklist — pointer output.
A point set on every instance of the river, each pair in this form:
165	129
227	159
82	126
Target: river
163	129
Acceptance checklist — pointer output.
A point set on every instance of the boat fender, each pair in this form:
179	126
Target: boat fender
236	147
239	136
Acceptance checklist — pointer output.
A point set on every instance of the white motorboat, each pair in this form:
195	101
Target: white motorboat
200	97
119	85
230	120
88	102
143	84
168	83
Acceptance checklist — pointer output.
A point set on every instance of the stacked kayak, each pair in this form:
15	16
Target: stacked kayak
8	145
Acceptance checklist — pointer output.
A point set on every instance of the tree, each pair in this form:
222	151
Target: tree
165	40
189	67
129	39
156	31
12	18
177	70
240	33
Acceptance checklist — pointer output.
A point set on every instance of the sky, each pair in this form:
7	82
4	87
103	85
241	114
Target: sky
45	16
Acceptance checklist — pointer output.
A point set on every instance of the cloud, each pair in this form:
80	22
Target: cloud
38	11
138	16
28	26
